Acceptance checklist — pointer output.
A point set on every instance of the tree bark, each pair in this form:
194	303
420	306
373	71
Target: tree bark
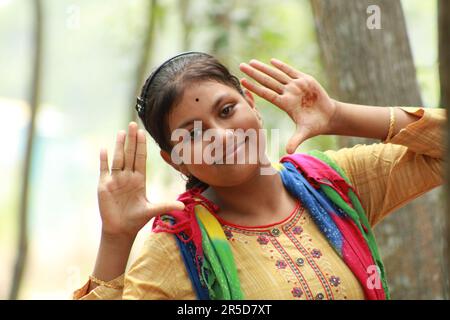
375	67
22	241
186	22
144	57
444	75
444	51
219	15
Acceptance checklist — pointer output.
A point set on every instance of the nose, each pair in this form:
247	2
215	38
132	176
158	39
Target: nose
226	138
232	141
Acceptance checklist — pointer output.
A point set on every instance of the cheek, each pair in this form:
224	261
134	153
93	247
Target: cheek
247	119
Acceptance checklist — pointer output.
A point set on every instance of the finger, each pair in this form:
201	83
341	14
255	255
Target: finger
287	69
274	73
262	78
264	93
130	149
104	168
297	139
118	158
155	209
141	153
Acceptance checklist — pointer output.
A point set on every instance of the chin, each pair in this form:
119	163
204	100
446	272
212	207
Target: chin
235	174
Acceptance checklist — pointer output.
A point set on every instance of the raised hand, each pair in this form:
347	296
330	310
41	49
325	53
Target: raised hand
297	93
123	203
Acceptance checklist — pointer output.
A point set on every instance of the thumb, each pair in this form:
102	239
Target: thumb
155	209
300	135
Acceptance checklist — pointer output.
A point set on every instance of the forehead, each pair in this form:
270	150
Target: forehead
207	90
197	99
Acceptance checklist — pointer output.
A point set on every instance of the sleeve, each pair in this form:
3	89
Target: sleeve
100	292
157	274
387	176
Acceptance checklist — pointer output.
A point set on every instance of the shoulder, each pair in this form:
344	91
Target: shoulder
160	243
156	272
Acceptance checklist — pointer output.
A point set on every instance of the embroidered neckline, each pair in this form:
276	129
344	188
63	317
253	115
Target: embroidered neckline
196	192
259	227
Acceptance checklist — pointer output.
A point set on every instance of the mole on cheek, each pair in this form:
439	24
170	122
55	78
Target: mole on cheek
196	99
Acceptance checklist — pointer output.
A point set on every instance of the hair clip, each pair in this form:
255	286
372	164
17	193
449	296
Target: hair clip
140	106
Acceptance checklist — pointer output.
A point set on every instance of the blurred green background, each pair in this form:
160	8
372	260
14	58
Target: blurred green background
90	67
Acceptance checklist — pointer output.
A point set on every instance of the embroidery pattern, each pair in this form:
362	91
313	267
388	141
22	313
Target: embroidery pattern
284	263
325	266
318	272
281	264
297	292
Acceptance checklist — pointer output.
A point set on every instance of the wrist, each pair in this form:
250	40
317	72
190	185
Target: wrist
112	256
335	121
117	239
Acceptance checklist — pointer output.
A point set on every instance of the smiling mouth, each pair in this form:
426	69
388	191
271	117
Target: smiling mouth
230	153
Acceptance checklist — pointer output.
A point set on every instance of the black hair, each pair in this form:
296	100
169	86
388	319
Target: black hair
165	86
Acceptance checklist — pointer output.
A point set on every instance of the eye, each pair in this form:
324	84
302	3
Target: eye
227	110
195	133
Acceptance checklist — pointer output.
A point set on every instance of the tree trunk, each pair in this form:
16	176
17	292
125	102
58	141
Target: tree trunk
444	74
219	15
144	55
444	51
186	22
22	243
375	67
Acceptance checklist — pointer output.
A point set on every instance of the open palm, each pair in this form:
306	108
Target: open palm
123	203
297	93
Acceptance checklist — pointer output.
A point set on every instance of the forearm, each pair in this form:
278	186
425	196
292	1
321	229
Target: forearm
367	121
112	257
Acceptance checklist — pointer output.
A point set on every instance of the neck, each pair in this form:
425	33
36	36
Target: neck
262	199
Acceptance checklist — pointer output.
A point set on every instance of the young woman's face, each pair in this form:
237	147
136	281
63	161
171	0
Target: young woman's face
218	108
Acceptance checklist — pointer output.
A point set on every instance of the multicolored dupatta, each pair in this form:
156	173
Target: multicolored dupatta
323	189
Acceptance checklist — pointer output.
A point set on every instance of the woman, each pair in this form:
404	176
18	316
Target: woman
302	233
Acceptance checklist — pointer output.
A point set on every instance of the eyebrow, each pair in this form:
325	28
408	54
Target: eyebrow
214	106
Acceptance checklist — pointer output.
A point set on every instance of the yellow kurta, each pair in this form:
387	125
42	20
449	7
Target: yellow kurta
292	259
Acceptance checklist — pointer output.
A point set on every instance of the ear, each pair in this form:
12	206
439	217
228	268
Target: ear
179	167
251	101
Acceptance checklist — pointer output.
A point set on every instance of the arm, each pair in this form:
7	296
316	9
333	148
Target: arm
388	176
112	258
124	210
367	121
159	272
312	110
